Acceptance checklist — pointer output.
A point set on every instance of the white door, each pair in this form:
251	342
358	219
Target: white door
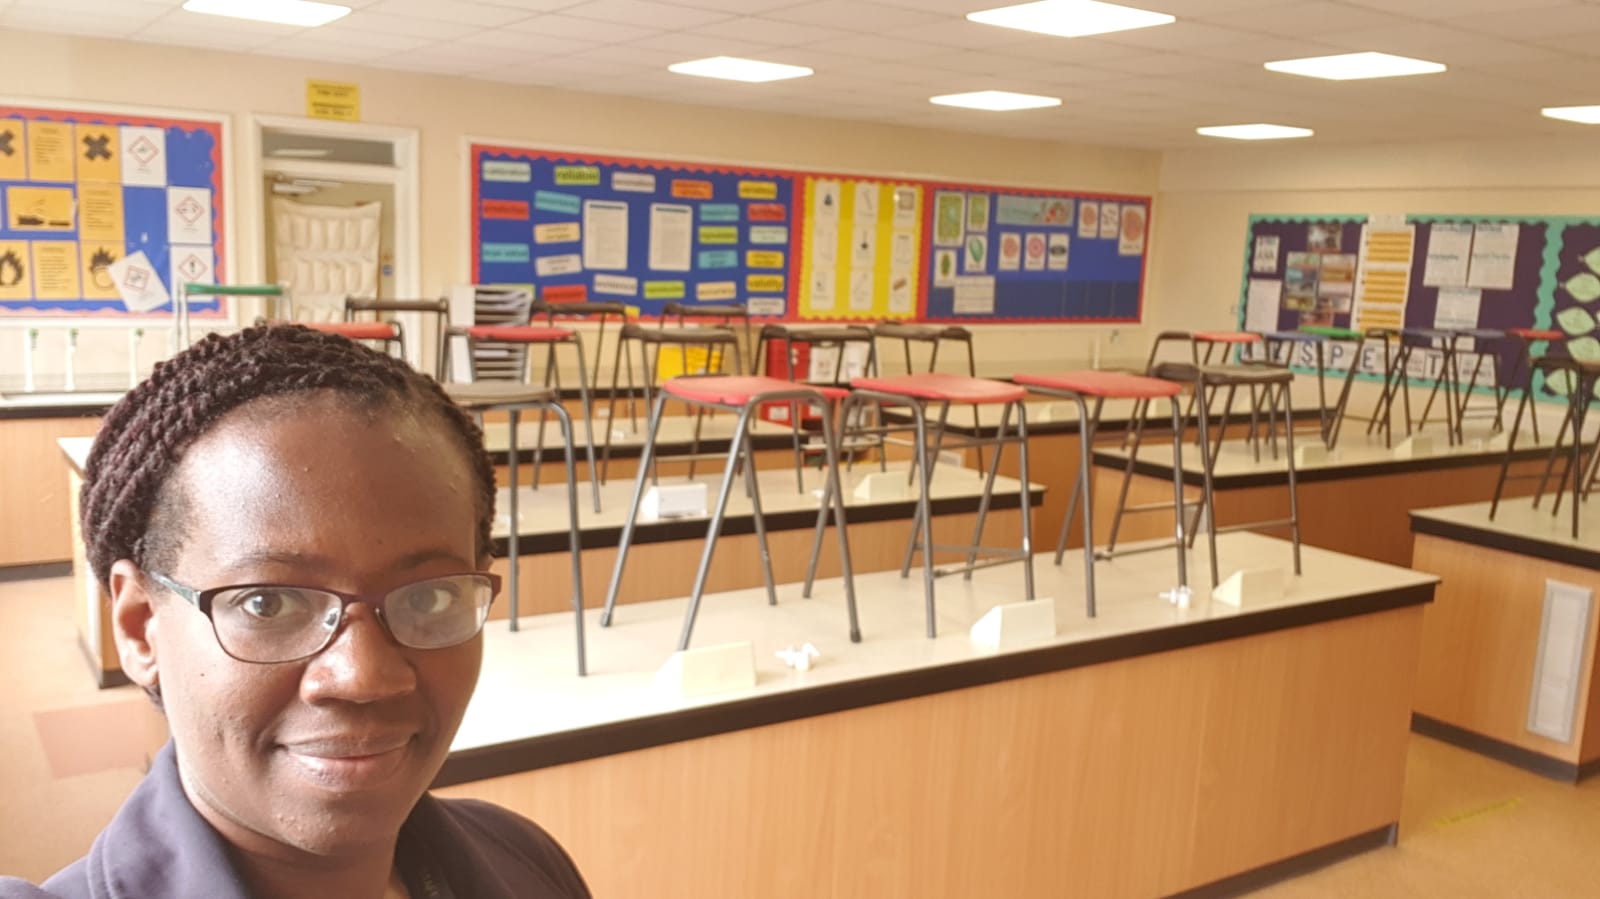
325	254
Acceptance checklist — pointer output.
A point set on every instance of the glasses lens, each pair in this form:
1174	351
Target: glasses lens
439	613
274	624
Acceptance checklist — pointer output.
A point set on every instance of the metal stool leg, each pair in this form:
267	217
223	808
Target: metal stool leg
630	524
1177	492
1207	462
574	535
988	493
713	532
514	558
741	447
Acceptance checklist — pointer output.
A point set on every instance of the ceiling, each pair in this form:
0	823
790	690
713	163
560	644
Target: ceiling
879	61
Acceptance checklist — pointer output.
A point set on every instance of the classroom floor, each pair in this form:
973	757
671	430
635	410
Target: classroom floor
1470	827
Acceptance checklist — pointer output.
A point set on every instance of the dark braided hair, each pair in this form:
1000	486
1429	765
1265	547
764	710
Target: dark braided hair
145	436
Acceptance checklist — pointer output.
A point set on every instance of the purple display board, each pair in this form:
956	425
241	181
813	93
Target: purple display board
1294	236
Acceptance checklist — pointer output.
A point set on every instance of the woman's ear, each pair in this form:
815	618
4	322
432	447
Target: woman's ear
133	624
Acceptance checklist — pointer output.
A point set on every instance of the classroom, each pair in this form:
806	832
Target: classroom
1236	355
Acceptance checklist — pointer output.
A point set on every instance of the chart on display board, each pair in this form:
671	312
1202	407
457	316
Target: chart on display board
103	214
1424	271
1001	254
797	245
640	232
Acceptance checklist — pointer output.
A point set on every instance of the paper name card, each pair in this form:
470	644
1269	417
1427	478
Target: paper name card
1310	454
881	486
1055	412
1414	447
709	669
1251	587
674	501
1010	625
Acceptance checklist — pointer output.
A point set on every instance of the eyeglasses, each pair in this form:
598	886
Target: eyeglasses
270	623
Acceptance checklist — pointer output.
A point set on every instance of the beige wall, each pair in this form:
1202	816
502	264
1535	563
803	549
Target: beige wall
445	110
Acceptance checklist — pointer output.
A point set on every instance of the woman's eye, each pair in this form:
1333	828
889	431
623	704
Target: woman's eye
270	605
429	599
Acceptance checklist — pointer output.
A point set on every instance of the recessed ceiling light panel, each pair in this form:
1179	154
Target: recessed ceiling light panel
303	13
733	68
1070	18
1258	131
1583	115
1351	66
996	101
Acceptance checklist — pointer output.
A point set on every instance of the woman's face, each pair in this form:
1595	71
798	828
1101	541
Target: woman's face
325	755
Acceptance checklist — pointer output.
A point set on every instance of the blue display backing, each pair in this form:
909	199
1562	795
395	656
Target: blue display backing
542	171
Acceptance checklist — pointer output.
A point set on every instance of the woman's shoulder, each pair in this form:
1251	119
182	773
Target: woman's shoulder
503	845
13	888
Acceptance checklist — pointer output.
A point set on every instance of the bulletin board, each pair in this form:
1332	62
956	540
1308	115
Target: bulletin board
860	249
641	232
1425	271
795	245
82	191
1001	254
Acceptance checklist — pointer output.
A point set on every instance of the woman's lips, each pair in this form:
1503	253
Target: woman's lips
349	765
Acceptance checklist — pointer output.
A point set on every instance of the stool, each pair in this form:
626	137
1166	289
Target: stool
1140	407
743	395
1523	367
519	338
724	314
387	333
1480	337
1104	385
1581	378
1275	385
1398	379
917	392
713	340
791	338
1236	343
1335	423
512	399
935	336
585	311
1383	409
439	309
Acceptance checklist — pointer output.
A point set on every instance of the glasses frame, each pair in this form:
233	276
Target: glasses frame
202	599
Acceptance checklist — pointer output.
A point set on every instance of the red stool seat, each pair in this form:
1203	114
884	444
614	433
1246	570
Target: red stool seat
358	330
518	333
940	387
1107	384
737	390
1227	337
1535	334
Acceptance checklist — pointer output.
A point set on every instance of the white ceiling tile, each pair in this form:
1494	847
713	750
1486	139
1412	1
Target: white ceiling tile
364	20
326	51
1480	50
586	30
129	9
1190	9
856	15
687	45
237	31
769	31
626	54
1585	43
873	47
644	12
1268	48
1059	50
967	61
962	33
1177	36
64	23
1304	19
206	38
1160	64
1446	9
530	43
462	11
740	7
352	38
1533	23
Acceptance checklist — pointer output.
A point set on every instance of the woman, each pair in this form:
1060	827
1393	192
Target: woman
294	533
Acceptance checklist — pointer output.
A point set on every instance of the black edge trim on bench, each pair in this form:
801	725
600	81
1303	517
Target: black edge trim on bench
1499	750
1146	468
739	525
691	724
1158	423
1563	553
1295	865
34	571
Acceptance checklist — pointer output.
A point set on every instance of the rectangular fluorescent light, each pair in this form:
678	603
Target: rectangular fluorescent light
996	101
1258	131
733	68
1070	18
1583	115
303	13
1351	66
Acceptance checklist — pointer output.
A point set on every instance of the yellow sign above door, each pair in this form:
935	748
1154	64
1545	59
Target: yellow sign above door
334	100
